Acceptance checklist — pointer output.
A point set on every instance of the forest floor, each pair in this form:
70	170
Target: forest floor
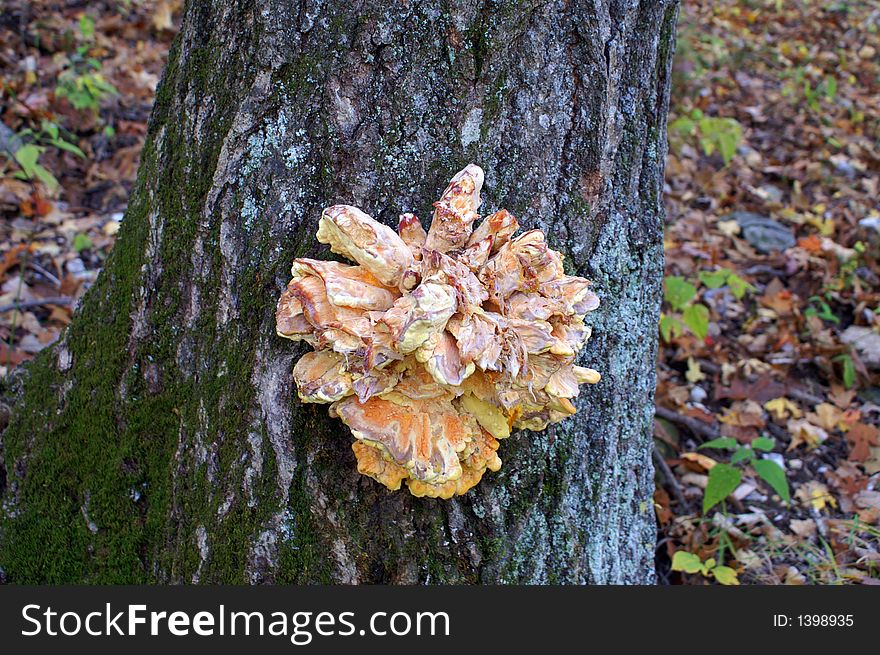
768	401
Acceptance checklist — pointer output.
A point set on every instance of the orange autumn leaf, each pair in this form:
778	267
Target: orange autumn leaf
812	243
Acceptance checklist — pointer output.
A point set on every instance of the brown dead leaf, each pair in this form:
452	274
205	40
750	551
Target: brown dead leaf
805	528
661	505
11	257
841	397
867	499
12	358
778	298
761	390
847	478
861	438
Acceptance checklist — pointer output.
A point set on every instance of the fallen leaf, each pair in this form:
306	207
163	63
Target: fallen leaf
761	390
828	417
812	243
782	408
705	462
861	438
867	499
816	495
778	298
804	433
693	374
803	528
729	228
162	19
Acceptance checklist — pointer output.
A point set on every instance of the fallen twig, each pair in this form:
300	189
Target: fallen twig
46	274
28	304
692	424
671	481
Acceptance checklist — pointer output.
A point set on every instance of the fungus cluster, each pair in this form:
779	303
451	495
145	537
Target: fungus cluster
434	346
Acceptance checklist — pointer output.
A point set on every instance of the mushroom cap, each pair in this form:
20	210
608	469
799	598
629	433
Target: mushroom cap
437	344
355	235
455	212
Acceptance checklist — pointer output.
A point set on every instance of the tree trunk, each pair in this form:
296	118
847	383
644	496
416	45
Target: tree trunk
162	440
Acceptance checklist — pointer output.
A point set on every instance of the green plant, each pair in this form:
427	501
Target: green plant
724	478
712	133
27	157
724	276
691	563
819	307
35	143
83	86
82	242
81	82
680	294
799	85
848	369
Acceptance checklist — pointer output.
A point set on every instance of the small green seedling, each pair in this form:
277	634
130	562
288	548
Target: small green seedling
725	478
690	563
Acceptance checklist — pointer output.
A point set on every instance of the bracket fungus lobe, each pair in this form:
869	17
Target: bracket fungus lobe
434	345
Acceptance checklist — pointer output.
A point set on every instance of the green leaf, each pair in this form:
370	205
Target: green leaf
684	126
696	317
727	145
687	562
725	443
724	134
27	157
670	327
679	292
715	279
773	475
46	177
723	479
763	443
708	145
50	128
738	286
725	575
69	147
86	26
82	242
849	370
830	87
742	455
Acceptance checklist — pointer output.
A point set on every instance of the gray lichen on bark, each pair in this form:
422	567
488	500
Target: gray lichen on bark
169	404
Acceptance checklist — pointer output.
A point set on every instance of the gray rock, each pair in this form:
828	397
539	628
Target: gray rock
871	222
866	342
764	234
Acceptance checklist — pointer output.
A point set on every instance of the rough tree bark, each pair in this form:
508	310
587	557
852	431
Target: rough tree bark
162	440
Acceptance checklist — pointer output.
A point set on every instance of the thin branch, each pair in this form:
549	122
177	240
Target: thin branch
672	482
46	274
28	304
692	424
